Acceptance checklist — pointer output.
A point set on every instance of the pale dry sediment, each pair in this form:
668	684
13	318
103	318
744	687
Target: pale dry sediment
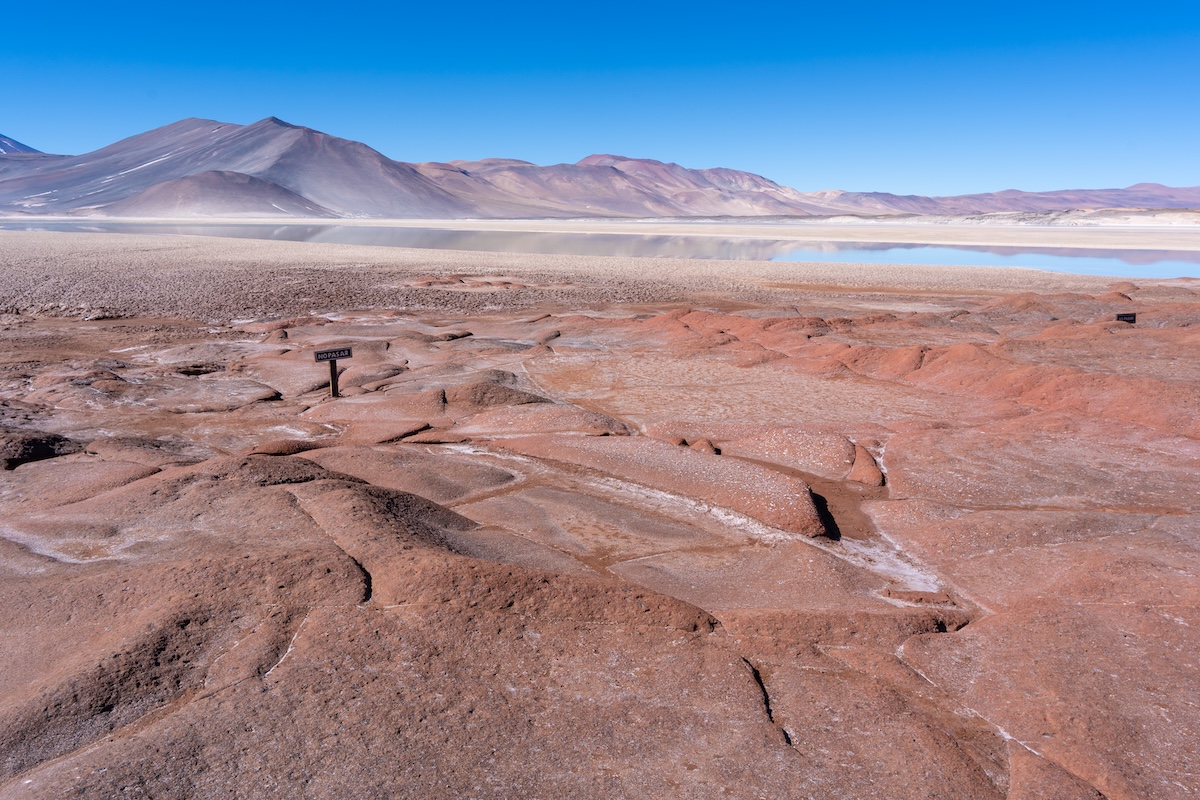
213	278
1121	229
1165	231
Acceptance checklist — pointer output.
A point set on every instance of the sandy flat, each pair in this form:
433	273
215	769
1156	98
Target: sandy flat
231	278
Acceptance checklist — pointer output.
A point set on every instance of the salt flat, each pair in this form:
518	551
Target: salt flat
1161	231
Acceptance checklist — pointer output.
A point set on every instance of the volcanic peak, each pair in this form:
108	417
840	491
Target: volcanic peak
12	146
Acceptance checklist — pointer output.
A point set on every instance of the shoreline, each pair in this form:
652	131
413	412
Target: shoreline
924	230
219	278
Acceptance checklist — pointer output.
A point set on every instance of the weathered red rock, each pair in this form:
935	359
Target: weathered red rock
776	499
19	447
499	574
865	470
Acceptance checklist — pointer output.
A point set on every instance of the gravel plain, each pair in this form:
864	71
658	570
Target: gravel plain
221	279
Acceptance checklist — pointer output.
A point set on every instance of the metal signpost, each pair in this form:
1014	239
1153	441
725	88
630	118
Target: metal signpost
332	357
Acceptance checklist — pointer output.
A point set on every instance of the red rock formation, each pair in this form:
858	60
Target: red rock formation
496	572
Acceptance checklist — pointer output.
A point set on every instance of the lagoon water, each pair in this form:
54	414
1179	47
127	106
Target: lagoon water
1079	261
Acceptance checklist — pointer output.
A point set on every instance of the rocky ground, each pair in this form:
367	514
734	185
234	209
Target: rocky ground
584	529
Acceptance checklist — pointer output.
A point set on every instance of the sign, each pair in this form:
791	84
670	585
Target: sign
333	355
1127	318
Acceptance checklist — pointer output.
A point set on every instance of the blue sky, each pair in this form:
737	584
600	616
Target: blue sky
929	98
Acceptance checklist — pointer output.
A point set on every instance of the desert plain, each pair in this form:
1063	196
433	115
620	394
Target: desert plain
587	527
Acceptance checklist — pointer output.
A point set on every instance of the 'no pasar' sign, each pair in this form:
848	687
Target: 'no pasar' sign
333	355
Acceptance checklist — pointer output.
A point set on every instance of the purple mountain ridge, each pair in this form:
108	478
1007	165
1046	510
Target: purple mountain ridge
12	146
202	168
348	178
217	194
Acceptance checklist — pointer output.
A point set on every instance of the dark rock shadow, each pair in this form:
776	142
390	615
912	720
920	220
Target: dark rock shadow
831	527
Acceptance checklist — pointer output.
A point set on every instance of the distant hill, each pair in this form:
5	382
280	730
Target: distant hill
217	194
202	168
1142	195
604	185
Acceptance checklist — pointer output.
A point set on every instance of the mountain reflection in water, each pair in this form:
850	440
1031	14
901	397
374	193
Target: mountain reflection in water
1084	261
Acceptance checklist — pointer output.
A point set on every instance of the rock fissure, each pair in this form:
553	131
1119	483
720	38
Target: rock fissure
766	700
366	579
364	573
291	645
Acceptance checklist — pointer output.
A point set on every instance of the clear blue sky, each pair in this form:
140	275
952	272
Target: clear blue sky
920	98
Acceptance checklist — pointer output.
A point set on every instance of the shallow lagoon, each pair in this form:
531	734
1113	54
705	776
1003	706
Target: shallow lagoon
1079	261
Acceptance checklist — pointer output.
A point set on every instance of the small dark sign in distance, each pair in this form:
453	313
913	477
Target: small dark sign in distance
1127	318
333	355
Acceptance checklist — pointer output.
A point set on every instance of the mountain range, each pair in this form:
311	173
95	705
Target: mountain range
202	168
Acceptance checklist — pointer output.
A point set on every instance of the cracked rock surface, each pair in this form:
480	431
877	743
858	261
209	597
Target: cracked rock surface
586	542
